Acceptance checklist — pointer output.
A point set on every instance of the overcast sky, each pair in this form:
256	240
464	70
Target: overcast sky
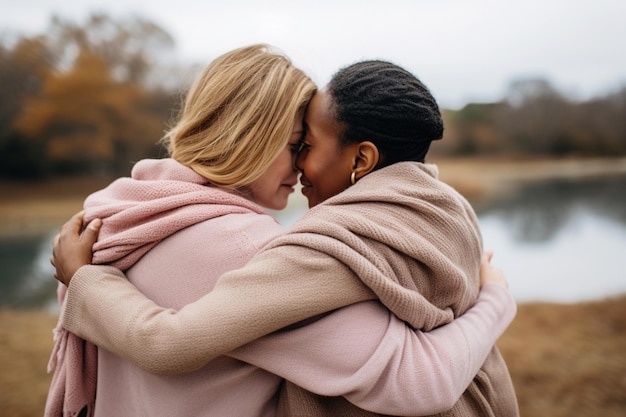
464	50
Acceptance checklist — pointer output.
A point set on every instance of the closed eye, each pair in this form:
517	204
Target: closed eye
295	148
304	147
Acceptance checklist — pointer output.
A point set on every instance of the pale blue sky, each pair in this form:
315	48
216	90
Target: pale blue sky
465	50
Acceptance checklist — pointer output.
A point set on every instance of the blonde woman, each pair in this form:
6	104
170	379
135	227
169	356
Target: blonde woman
200	210
362	352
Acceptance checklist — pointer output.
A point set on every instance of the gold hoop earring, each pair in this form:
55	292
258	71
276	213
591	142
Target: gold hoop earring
353	178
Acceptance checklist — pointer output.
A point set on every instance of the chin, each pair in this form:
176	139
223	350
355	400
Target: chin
279	206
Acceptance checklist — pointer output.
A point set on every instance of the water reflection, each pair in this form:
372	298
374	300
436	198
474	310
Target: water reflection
562	240
558	241
26	274
537	212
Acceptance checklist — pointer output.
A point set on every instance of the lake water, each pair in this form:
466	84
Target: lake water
562	241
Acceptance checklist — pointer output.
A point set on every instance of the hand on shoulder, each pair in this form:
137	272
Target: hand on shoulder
72	247
490	274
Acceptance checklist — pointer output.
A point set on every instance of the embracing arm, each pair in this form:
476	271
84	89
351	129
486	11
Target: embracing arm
275	289
373	359
262	297
447	358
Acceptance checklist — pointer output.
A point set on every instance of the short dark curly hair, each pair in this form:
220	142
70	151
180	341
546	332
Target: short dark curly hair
383	103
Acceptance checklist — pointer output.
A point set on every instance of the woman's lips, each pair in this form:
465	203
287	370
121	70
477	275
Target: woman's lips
306	186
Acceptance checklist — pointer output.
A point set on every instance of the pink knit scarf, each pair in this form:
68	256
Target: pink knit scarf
161	198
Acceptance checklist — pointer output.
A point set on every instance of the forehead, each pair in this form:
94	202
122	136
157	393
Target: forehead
318	116
297	123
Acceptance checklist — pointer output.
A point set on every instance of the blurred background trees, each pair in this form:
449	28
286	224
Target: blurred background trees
82	99
536	120
93	98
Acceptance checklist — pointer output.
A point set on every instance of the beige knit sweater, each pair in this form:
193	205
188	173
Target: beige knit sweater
415	242
399	235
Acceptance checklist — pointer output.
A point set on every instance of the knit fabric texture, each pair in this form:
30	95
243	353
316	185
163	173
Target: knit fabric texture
160	198
415	242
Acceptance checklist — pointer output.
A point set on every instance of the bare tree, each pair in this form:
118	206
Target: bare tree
129	46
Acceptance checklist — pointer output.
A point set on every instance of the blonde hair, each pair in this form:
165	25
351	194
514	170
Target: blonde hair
239	115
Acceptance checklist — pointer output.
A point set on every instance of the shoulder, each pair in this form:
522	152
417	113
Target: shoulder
242	231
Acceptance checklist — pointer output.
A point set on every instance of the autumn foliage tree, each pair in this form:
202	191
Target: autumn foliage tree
131	48
80	99
85	120
23	69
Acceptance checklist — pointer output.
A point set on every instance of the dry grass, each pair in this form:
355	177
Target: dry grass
569	360
25	345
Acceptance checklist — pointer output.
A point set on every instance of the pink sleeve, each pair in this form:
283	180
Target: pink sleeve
366	354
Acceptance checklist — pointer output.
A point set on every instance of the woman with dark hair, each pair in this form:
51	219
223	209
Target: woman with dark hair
382	231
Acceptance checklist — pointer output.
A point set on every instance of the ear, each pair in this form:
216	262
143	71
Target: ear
366	159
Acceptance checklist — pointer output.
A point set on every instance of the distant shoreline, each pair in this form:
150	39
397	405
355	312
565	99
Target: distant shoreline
32	208
485	176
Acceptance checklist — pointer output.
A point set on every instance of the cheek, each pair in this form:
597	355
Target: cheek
333	187
315	168
280	168
328	180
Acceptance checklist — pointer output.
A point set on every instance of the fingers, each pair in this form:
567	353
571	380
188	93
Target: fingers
490	273
55	242
487	255
74	224
72	247
90	234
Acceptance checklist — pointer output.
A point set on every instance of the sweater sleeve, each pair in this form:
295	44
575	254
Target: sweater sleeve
366	354
264	296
